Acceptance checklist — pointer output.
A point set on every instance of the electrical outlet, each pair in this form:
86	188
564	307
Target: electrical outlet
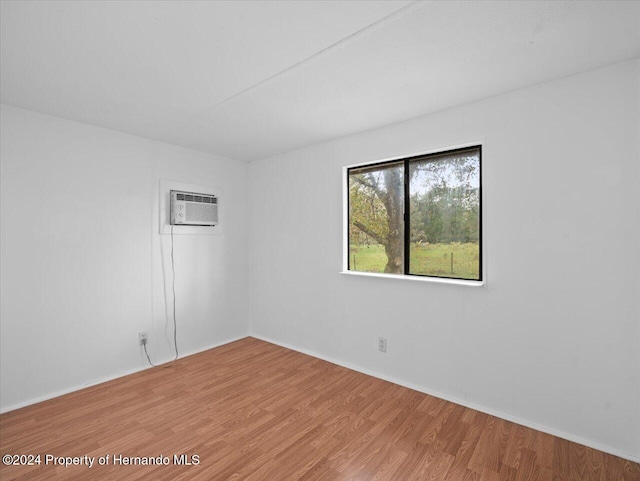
143	337
382	344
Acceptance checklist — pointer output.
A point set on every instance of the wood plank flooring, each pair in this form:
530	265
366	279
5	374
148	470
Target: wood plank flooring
254	411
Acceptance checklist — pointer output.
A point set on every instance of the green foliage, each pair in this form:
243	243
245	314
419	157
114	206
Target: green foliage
367	258
445	200
435	260
367	210
445	214
426	259
376	211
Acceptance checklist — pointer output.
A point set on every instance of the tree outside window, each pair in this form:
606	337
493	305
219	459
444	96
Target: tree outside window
417	216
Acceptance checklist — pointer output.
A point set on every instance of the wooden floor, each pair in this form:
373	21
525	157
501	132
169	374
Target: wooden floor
254	411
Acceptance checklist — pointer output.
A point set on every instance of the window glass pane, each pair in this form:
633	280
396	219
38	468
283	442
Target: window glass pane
445	215
376	218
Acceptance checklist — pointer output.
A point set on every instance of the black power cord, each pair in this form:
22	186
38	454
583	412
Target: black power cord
175	322
144	345
173	287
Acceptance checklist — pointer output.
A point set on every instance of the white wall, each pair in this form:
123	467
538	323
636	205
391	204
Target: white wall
83	265
552	340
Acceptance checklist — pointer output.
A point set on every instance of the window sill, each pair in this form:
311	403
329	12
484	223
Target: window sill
437	280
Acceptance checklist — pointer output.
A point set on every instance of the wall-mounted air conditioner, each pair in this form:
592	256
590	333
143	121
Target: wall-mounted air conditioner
190	208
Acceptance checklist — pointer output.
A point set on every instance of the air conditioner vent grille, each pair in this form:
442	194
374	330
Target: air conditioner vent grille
201	199
198	212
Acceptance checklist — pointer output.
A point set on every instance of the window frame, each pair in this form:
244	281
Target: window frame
406	161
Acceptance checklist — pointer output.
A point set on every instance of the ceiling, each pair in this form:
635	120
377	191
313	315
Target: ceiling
250	79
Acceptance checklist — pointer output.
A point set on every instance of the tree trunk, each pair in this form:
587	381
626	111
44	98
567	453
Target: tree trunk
395	259
394	204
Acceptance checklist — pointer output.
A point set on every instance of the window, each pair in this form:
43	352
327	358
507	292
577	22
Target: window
419	216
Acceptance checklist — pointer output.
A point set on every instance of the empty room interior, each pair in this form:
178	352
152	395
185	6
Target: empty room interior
320	240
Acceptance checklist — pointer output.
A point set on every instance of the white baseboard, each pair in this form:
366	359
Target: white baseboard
95	382
492	412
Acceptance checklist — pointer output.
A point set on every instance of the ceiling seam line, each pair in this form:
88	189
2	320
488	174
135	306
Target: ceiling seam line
320	53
